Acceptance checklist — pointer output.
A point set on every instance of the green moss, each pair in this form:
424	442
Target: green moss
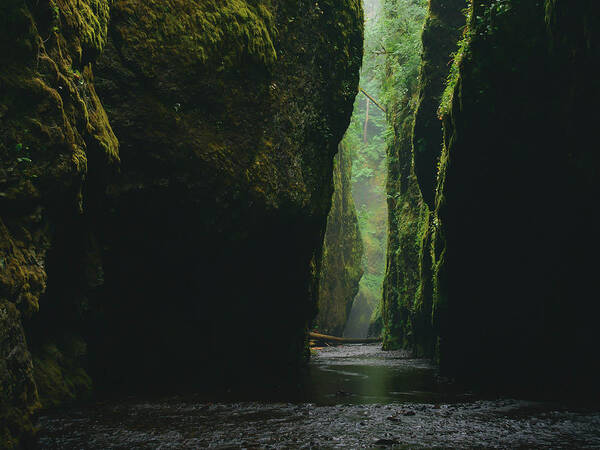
457	58
441	32
58	372
20	281
89	20
407	299
18	394
499	277
178	33
523	79
54	136
410	312
230	114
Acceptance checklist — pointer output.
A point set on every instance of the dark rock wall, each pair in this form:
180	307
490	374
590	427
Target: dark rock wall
517	183
440	34
512	274
198	243
53	135
227	145
341	268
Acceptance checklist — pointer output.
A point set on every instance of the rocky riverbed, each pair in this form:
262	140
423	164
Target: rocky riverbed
353	396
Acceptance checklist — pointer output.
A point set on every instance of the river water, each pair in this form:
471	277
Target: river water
354	396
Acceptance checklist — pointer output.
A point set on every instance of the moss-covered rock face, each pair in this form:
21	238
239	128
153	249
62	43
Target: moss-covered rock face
54	134
229	115
341	268
513	271
440	36
407	296
18	393
515	276
209	237
406	307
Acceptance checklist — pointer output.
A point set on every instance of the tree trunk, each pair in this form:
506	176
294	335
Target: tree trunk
366	121
338	340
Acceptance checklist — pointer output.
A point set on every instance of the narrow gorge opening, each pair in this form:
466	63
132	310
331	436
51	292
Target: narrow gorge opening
353	293
377	150
367	138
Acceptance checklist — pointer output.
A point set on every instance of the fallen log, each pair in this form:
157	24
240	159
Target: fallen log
340	340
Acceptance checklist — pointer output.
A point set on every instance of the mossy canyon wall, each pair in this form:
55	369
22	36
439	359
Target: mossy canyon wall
505	243
341	269
165	182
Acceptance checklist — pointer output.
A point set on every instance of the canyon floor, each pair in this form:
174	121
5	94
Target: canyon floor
353	396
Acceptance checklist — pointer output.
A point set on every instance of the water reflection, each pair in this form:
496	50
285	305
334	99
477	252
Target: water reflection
363	374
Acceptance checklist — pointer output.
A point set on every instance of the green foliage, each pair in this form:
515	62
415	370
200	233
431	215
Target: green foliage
484	24
390	70
368	174
402	291
457	57
402	24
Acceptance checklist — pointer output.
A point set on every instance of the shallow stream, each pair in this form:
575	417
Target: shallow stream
355	396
